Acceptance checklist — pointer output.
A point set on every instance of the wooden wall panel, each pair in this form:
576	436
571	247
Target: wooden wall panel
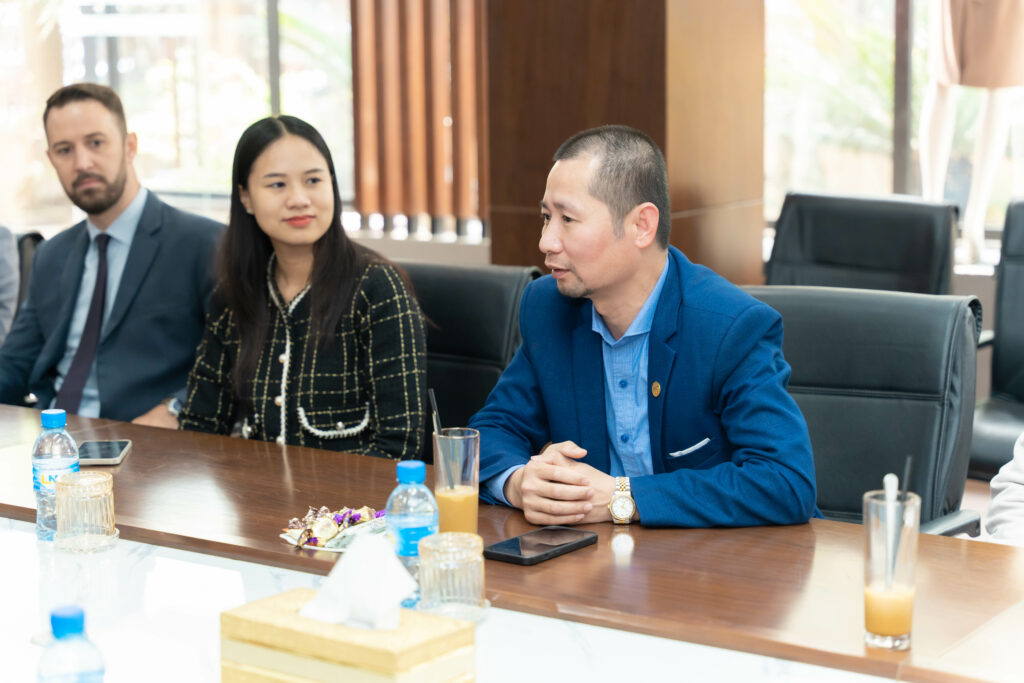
556	68
483	113
727	238
690	73
364	86
715	133
389	103
464	99
414	92
439	112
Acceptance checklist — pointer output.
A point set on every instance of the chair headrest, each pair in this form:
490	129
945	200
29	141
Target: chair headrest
869	340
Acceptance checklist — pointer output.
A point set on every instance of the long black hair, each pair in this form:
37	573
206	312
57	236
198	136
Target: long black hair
246	250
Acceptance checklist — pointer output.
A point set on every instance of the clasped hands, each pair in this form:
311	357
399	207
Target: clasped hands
556	488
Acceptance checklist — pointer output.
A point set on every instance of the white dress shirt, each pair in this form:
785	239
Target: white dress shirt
1005	519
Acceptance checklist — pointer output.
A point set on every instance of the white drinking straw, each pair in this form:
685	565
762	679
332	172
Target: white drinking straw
890	484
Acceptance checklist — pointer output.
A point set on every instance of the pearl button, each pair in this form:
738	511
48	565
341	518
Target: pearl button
278	400
340	426
280	440
283	357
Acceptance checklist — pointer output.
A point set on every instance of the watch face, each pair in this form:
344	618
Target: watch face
622	507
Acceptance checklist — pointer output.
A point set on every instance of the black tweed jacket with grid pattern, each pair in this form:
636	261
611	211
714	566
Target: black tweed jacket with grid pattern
363	394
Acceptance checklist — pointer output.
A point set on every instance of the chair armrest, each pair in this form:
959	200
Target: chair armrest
959	522
985	338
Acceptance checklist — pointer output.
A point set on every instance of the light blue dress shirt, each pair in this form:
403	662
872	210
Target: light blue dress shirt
121	232
625	394
625	389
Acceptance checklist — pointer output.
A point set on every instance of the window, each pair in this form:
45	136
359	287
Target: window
828	98
830	104
192	75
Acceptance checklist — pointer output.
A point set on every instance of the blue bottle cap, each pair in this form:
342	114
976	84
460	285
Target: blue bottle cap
54	418
68	620
411	472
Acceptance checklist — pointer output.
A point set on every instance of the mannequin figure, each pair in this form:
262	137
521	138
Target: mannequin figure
974	43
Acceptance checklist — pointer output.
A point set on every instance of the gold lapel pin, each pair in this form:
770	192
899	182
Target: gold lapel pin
656	389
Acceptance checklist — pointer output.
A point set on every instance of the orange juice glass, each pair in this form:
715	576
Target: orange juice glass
457	478
890	555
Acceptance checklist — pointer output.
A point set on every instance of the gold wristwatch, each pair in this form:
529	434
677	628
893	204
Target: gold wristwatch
622	505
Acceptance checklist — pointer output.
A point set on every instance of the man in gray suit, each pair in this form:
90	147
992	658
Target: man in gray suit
115	305
10	276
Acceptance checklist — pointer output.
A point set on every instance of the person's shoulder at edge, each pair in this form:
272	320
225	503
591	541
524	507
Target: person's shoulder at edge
219	316
60	244
380	280
706	291
1005	518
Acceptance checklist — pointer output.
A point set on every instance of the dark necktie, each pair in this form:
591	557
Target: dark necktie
70	394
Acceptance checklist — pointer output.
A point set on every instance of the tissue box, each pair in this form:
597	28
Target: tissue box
267	640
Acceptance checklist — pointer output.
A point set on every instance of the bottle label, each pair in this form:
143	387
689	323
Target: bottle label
408	540
45	472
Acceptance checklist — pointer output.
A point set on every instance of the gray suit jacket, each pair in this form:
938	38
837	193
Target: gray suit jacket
148	343
10	277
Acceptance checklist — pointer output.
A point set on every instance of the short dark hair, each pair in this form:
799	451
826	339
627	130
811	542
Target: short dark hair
76	92
631	172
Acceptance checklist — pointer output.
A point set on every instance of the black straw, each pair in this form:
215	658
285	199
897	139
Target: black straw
906	478
437	415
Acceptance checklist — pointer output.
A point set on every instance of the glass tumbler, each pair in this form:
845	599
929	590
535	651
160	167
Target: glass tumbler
452	575
457	478
890	556
85	512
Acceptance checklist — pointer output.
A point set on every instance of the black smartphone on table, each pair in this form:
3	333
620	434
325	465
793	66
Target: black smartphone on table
542	544
103	452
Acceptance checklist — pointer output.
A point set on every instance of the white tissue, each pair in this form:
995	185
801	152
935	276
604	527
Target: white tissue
365	589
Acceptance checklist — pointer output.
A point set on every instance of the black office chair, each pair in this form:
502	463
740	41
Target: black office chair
895	243
472	332
27	244
879	376
999	420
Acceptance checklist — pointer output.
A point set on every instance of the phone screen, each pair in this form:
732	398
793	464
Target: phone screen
103	452
541	544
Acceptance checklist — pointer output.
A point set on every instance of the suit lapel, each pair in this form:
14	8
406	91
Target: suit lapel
70	281
143	250
588	382
661	355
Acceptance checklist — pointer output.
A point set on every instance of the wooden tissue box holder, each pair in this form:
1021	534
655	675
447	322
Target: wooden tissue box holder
266	640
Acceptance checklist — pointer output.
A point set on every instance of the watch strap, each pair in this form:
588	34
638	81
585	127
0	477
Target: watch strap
622	490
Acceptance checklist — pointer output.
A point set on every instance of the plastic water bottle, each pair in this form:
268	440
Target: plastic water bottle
53	454
70	657
411	515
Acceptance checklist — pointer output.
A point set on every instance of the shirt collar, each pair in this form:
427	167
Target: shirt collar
124	226
644	319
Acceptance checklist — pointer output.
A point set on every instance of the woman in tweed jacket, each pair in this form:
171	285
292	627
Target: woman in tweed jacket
311	339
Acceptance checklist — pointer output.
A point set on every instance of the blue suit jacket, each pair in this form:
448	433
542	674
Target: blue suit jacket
148	343
716	354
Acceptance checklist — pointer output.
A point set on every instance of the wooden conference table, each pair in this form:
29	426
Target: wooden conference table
790	592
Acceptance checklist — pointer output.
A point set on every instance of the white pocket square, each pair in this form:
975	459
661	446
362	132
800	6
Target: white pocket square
691	449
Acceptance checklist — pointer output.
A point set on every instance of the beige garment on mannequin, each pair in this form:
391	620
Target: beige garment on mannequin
978	43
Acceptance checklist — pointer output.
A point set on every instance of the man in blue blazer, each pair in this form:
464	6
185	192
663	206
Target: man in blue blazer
650	388
116	303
